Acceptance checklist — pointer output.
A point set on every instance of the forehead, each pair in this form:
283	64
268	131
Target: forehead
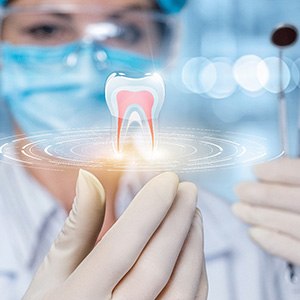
103	3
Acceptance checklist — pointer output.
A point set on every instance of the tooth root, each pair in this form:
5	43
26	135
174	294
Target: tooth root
152	133
120	125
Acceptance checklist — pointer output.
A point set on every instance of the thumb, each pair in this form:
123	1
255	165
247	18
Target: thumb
78	235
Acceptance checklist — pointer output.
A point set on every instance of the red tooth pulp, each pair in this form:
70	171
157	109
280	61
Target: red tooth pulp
144	100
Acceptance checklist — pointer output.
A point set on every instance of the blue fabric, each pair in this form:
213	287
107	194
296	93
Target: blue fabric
44	94
171	6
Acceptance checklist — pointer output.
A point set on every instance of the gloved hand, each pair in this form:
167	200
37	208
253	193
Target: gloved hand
153	251
272	206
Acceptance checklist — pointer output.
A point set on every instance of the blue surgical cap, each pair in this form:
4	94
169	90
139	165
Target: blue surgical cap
171	6
167	6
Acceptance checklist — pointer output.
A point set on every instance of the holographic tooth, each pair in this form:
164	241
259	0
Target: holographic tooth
134	99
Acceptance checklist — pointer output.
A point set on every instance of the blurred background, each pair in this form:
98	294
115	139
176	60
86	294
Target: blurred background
227	76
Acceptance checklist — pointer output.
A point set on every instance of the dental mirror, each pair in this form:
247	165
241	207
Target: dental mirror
283	36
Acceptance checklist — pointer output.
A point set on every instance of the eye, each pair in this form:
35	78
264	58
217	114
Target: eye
45	31
130	34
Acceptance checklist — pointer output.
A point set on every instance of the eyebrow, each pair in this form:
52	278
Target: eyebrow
135	7
61	15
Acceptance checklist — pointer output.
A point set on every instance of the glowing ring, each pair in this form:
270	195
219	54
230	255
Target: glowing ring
183	150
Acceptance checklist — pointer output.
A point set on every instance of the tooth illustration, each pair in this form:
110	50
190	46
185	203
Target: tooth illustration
134	99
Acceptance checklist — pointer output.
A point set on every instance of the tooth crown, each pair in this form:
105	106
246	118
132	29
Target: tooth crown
152	83
134	99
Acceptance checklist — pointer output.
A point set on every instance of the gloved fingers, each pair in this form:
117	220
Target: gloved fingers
78	235
139	180
285	222
155	265
203	287
283	170
277	244
145	177
270	195
121	246
187	276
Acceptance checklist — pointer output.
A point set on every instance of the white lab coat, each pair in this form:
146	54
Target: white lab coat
30	219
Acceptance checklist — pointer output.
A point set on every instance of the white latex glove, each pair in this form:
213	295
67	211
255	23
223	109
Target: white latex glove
272	206
153	251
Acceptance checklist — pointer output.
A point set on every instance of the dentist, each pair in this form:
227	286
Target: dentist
52	67
53	73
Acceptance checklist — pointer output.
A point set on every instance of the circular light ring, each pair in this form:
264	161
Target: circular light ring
225	84
180	149
248	74
272	84
198	75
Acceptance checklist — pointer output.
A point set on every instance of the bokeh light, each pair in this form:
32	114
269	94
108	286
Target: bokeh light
225	83
272	84
219	78
296	69
251	73
199	75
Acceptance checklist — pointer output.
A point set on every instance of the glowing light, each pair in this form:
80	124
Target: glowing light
225	84
101	31
251	73
199	75
181	150
272	84
218	78
262	73
119	155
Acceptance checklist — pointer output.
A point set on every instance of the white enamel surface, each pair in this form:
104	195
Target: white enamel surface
152	83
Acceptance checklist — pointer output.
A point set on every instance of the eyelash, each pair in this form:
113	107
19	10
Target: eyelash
44	31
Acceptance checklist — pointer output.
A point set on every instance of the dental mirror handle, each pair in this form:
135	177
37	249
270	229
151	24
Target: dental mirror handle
284	35
283	124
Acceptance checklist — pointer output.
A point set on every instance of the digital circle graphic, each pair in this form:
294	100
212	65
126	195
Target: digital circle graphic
179	149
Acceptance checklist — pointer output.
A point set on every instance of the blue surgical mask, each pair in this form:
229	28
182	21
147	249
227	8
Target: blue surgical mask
57	88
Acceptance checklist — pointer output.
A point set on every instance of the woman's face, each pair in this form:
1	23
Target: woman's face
61	87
